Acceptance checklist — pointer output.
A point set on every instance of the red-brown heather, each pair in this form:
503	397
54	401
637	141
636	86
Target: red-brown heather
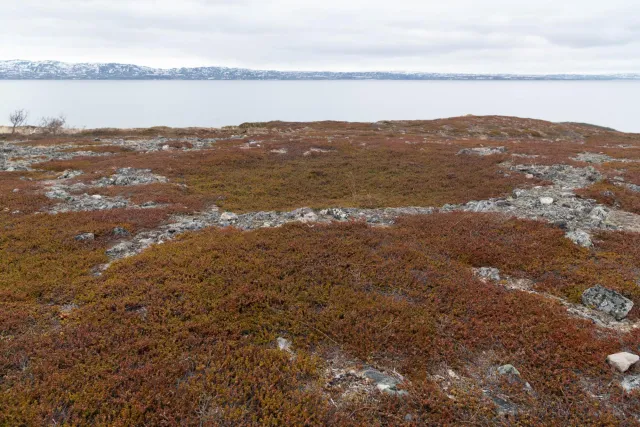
185	332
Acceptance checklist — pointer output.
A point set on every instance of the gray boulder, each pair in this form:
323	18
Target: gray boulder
580	237
508	370
513	376
121	232
607	301
384	383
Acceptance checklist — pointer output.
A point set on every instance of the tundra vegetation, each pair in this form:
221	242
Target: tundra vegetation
470	314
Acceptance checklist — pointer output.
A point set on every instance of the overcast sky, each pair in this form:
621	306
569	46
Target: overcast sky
483	36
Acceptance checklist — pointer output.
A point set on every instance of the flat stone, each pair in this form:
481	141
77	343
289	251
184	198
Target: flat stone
607	301
546	201
622	361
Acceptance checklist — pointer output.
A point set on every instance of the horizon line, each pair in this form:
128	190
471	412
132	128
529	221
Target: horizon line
333	71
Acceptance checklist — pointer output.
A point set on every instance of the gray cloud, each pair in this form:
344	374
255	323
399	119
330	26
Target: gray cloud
457	35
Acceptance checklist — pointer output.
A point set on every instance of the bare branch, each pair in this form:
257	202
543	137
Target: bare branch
52	125
18	118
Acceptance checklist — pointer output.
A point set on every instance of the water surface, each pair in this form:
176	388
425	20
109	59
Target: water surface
94	104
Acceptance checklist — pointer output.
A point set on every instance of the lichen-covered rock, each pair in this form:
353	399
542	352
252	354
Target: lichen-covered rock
120	232
384	383
607	301
489	273
631	383
122	250
508	370
68	174
130	176
228	217
483	151
85	237
513	375
593	158
580	237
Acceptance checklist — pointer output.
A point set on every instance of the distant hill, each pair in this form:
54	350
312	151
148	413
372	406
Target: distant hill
55	70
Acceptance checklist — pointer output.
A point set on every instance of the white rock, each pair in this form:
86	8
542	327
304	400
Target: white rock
96	196
284	344
166	147
622	361
308	217
546	200
228	216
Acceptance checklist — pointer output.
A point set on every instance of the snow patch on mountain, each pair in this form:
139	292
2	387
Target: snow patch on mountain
55	70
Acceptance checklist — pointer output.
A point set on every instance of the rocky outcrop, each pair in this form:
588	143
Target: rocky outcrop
556	203
482	151
162	144
580	237
130	176
76	198
487	273
84	202
17	157
595	158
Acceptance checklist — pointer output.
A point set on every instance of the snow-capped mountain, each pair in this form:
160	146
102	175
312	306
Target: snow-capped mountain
55	70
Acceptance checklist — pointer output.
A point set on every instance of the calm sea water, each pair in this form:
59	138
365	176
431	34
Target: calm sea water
216	103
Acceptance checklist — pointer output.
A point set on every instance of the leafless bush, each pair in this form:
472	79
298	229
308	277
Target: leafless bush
52	125
18	118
